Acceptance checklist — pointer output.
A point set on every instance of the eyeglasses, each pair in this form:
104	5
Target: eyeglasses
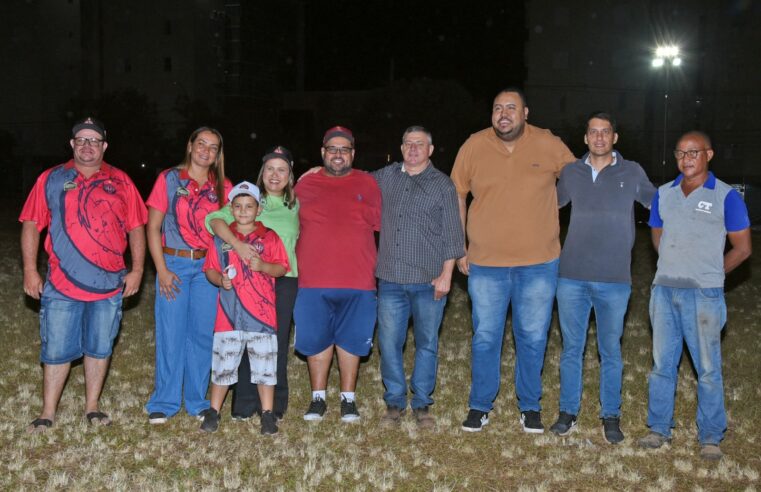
333	150
91	141
693	154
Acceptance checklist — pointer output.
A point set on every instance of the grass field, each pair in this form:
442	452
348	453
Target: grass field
330	455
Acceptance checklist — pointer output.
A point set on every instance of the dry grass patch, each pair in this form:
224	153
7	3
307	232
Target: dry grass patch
331	455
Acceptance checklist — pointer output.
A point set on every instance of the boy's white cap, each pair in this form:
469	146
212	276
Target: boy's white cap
244	188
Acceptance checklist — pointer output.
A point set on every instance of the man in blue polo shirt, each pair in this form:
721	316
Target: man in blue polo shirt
595	268
691	217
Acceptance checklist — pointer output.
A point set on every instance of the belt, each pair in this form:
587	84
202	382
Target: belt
193	254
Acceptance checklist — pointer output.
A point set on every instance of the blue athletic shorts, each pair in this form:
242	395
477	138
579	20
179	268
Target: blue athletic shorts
342	317
70	329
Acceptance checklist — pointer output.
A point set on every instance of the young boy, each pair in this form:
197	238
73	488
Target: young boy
246	307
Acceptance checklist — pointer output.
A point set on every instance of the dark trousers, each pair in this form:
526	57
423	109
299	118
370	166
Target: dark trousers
245	395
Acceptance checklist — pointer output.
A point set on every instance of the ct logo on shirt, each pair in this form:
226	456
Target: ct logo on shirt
182	191
704	207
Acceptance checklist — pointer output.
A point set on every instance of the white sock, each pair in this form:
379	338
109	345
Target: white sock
318	394
347	395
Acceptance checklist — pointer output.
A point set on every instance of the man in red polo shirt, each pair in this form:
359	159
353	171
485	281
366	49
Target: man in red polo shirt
91	211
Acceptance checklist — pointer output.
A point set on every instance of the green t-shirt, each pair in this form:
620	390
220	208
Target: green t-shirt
275	215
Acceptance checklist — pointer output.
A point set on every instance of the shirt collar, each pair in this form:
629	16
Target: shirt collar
429	166
709	184
615	159
185	175
258	231
104	168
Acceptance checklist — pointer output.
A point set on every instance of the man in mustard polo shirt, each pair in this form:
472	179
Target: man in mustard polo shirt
513	233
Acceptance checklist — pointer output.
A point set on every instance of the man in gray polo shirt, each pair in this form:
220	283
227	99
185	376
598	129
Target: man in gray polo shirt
691	218
420	239
594	270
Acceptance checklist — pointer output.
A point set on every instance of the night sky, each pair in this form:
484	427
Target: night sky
361	45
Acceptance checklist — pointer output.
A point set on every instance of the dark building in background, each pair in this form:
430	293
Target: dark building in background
598	56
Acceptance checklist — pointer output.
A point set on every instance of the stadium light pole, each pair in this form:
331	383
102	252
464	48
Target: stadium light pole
665	58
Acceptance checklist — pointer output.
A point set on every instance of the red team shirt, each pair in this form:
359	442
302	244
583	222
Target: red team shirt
250	304
88	221
338	218
185	205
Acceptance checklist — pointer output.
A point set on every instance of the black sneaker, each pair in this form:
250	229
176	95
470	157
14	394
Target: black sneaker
157	418
202	414
531	420
349	411
210	421
565	424
475	421
269	426
612	430
316	409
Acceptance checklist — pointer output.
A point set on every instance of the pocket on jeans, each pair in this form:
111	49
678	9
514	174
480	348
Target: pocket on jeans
713	293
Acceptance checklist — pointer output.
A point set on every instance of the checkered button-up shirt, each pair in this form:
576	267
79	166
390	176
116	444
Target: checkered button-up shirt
420	225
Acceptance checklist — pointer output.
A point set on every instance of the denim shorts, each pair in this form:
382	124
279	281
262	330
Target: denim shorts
343	317
70	329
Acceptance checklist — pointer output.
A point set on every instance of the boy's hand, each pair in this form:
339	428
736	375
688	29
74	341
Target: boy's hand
227	284
256	264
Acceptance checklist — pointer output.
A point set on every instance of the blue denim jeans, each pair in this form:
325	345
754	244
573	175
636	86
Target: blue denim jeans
531	289
184	336
70	329
396	302
576	298
695	317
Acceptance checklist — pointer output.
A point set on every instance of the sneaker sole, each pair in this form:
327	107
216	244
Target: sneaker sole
313	417
162	420
476	429
350	418
530	430
562	434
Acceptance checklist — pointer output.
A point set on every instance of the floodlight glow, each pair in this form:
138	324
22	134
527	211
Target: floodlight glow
676	61
657	62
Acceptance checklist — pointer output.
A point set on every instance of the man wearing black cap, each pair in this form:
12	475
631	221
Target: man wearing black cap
91	210
335	306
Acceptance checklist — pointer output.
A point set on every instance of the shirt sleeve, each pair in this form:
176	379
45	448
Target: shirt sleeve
228	188
563	197
655	216
225	213
137	213
735	212
645	189
276	253
157	199
375	203
565	157
460	171
454	239
36	206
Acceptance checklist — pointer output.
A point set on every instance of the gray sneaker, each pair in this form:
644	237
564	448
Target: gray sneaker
423	418
711	452
564	425
653	440
392	416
